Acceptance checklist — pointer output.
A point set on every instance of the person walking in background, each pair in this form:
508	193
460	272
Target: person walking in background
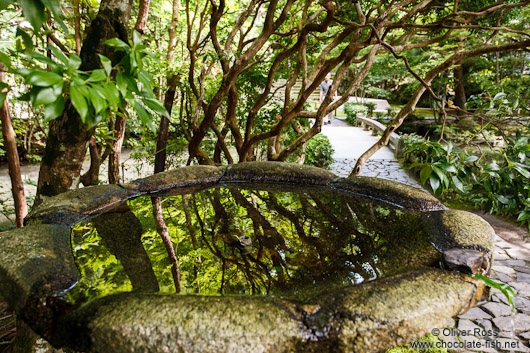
324	88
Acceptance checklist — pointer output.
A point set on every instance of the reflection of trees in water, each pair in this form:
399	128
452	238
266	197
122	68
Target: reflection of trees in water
234	241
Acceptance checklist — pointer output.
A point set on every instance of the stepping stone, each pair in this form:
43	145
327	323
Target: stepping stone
525	310
522	269
475	314
515	263
522	288
468	326
511	345
516	323
501	255
486	325
503	269
497	309
503	278
525	335
525	277
506	334
520	302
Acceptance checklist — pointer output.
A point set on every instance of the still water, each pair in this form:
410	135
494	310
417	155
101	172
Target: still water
283	241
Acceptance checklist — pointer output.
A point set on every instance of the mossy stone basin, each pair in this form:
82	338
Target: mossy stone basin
274	257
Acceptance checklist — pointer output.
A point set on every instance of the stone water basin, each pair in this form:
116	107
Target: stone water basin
273	257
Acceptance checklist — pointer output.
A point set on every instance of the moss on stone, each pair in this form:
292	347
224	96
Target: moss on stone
461	229
390	192
263	172
37	264
385	313
35	256
181	178
71	207
155	323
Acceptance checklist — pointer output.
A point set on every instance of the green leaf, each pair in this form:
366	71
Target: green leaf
74	62
504	288
458	183
98	102
442	177
137	38
471	159
79	102
110	92
48	95
116	42
449	147
502	199
416	164
435	182
43	78
34	12
156	106
3	96
5	59
448	167
144	116
122	82
147	82
28	42
97	76
425	173
106	63
45	60
5	3
522	171
498	96
523	216
59	55
54	110
54	7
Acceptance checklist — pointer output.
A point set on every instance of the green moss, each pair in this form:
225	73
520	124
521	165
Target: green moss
406	348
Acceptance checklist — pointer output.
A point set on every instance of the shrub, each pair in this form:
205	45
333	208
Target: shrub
371	108
497	181
352	109
318	152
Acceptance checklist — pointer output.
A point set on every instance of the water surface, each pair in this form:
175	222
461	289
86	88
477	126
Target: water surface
285	241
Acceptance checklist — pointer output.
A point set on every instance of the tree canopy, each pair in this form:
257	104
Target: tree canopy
239	74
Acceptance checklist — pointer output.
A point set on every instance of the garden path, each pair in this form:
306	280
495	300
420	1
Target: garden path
497	328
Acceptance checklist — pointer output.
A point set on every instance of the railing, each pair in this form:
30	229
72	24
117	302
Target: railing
367	123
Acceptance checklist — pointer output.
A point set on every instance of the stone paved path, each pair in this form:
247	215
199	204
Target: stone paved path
492	324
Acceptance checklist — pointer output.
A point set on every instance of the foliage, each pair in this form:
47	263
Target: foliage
352	109
95	95
370	107
498	181
319	152
504	288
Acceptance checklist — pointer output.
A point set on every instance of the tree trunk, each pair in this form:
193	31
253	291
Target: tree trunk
77	25
141	21
172	43
68	136
17	186
91	177
114	157
163	129
163	231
